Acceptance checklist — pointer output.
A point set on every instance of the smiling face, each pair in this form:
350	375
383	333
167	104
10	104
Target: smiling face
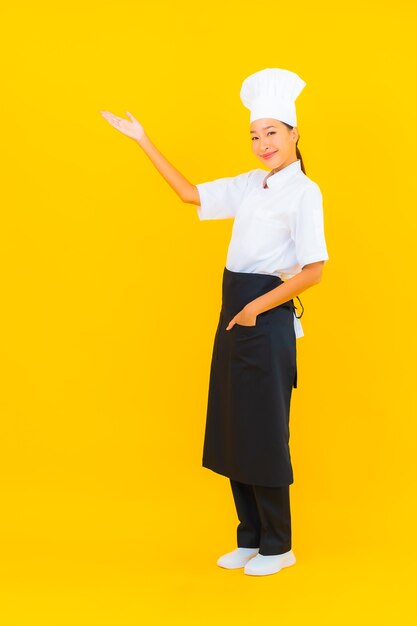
272	137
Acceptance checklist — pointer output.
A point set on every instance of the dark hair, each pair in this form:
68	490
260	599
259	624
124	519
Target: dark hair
296	147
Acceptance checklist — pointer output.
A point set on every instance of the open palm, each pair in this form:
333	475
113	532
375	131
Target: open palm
132	129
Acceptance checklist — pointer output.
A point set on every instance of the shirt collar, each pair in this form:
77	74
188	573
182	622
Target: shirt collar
280	177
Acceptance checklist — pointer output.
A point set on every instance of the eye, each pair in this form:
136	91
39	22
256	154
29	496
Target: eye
272	132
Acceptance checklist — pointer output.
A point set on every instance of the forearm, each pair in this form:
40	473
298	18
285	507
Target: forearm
173	177
292	287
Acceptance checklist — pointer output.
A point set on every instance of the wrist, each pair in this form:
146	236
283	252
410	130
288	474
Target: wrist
252	308
142	140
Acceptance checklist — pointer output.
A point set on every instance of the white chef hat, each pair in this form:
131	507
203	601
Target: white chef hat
272	93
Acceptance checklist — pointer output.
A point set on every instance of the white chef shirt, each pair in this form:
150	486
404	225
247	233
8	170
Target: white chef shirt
276	230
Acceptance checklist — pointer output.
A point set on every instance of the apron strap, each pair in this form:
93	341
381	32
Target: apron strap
302	312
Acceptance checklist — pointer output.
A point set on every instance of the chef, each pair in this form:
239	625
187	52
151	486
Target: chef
278	230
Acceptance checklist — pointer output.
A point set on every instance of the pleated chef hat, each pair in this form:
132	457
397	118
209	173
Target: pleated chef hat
272	93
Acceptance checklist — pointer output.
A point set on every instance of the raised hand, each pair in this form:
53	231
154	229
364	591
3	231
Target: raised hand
132	129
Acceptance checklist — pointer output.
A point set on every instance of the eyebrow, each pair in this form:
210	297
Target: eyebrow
264	128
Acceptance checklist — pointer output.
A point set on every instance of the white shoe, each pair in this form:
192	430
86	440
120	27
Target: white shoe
269	564
237	558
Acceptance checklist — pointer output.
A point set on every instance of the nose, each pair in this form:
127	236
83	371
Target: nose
264	147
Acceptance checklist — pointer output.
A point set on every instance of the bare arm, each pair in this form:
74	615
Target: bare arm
186	190
134	129
310	275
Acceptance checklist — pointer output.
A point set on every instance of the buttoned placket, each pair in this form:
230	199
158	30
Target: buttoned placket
273	182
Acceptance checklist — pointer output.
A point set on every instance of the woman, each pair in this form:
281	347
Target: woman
277	250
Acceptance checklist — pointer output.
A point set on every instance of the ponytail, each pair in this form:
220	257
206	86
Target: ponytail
297	151
299	157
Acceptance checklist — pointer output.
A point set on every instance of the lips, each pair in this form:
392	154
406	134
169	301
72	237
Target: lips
269	155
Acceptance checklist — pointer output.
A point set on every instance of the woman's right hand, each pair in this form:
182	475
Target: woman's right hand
132	129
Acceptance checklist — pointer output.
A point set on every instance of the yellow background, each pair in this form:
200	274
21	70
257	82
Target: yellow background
110	292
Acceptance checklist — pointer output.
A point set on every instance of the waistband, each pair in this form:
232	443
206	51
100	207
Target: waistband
240	288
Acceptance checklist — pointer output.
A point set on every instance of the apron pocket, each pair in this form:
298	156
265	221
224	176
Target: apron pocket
250	350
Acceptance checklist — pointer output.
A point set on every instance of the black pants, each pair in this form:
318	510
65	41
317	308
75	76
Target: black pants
265	517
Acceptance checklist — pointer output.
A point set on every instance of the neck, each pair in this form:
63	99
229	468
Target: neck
277	169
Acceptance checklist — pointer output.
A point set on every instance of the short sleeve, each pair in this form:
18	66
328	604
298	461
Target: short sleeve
307	227
220	198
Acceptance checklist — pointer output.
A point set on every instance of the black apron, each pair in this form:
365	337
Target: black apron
253	370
